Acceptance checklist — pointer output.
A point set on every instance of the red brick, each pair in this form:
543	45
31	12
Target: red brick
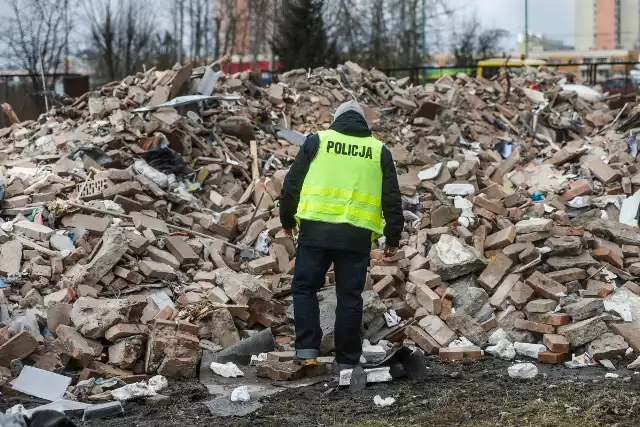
534	326
460	353
181	250
490	205
549	357
607	255
18	347
123	330
428	299
568	275
425	277
501	239
422	339
495	271
5	335
605	289
446	307
490	324
280	371
556	343
520	294
484	213
545	286
577	188
553	319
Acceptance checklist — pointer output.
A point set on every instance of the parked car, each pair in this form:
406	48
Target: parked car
619	85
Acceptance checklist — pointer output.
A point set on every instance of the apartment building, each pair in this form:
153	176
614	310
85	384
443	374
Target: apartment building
607	24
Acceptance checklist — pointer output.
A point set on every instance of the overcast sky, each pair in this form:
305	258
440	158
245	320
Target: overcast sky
553	18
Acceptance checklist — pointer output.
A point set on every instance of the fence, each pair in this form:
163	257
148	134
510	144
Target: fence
28	102
590	72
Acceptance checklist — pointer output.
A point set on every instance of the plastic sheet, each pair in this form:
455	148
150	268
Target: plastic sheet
165	160
27	322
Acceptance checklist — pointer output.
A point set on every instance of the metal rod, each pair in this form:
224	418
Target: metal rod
526	28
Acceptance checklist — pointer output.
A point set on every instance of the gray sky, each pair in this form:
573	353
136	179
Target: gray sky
553	18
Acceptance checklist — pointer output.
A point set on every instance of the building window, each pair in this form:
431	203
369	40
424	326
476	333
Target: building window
555	61
617	60
601	60
586	60
572	62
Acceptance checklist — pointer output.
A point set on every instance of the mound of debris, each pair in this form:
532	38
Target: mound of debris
140	224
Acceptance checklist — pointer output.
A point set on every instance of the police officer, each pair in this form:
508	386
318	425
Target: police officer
342	190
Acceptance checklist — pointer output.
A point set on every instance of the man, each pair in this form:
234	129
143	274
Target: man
340	186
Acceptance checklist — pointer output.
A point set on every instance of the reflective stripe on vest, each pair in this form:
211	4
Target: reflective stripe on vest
344	182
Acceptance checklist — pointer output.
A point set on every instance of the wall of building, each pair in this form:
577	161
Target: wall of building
584	24
629	24
605	28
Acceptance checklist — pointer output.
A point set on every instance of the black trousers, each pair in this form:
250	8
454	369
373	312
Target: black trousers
309	276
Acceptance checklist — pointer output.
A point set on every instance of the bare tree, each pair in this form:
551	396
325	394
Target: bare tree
385	33
472	43
122	35
200	28
261	24
34	35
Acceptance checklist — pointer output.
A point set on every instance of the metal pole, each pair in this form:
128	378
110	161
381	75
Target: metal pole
526	28
424	32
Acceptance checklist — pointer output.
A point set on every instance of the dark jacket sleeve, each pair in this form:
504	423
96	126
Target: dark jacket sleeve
391	200
290	195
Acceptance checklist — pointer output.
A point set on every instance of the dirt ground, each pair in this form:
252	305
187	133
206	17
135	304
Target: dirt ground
455	394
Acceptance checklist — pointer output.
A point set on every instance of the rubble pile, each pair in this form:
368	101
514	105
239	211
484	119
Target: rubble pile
140	225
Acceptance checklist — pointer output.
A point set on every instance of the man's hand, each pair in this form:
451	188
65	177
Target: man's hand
389	252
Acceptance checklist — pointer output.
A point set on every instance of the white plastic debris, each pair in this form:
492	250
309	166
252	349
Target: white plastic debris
391	318
227	370
580	361
160	179
255	360
628	352
523	371
110	205
158	383
31	379
431	173
262	243
529	350
133	391
535	96
461	342
622	308
379	401
611	375
504	350
584	92
240	394
579	202
635	364
374	375
459	189
607	364
629	210
497	336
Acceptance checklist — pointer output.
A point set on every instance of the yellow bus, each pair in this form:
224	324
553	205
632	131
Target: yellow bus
488	68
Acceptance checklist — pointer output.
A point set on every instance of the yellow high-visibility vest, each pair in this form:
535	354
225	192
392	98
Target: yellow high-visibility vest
344	183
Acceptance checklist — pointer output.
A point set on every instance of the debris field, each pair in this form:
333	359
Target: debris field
140	223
